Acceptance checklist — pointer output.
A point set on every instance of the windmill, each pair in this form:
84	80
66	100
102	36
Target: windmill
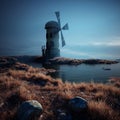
52	37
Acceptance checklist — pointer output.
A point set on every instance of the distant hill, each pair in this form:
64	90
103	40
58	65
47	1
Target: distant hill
118	60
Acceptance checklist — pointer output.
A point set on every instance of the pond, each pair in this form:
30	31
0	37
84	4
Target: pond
84	73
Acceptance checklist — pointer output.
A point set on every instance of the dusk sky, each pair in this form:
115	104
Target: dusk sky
94	27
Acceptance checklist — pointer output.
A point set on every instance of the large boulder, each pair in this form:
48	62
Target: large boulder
29	110
78	104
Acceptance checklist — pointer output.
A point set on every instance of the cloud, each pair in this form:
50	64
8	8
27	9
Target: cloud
106	41
66	52
72	52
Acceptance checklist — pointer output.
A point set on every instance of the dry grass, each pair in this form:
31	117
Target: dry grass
115	81
21	82
101	111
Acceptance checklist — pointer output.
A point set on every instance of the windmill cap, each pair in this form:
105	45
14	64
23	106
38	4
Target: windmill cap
52	24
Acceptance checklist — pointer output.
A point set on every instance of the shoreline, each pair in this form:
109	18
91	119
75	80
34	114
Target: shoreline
61	60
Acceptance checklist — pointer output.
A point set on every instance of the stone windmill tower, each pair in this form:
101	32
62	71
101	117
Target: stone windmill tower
52	38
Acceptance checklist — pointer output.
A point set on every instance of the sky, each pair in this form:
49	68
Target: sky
94	27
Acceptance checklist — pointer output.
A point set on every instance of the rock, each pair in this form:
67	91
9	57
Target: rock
62	115
77	104
29	110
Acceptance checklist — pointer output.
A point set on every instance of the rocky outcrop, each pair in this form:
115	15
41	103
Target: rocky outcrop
29	110
77	104
69	61
62	60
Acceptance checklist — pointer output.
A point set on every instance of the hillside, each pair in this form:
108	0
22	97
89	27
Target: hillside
20	82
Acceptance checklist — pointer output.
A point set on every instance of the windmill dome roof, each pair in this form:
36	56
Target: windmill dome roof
52	24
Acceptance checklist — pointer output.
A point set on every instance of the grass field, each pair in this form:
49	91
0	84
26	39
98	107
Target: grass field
20	82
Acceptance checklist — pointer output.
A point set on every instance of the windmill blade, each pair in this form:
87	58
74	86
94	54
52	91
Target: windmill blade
62	39
65	27
57	13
